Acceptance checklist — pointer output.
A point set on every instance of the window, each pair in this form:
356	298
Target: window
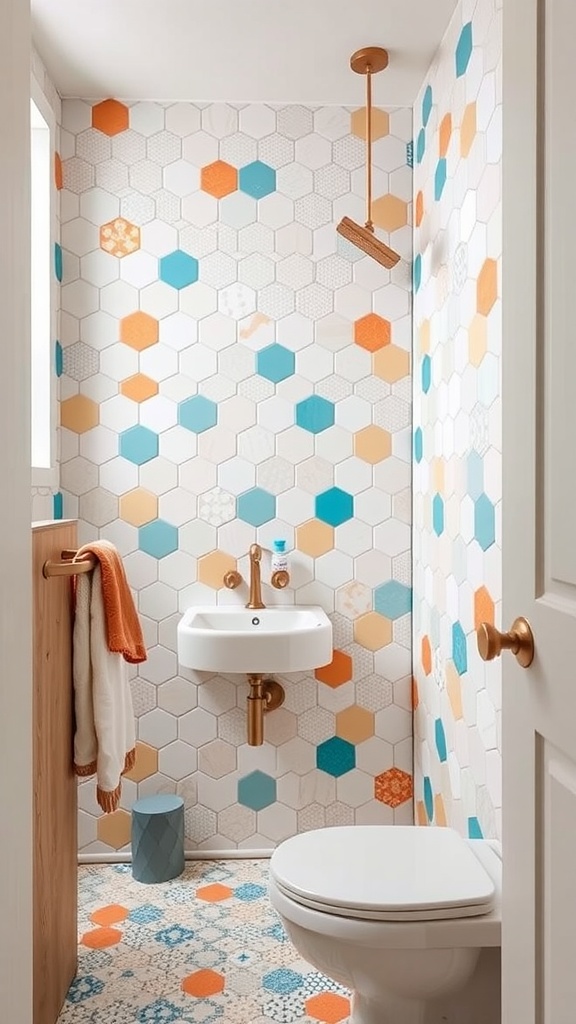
43	446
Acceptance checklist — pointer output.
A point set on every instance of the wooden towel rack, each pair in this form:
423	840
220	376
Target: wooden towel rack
68	567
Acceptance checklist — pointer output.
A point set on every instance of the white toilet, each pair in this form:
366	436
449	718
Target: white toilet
407	917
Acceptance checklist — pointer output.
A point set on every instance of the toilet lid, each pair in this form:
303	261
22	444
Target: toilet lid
397	872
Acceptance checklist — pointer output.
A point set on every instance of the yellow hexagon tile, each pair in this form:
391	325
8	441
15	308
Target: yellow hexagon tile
373	631
138	507
146	763
139	387
355	724
372	444
389	212
487	287
477	340
380	123
468	129
79	414
391	363
139	330
213	567
114	829
454	690
315	538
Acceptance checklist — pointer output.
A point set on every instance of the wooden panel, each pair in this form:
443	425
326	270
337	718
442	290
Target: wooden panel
55	789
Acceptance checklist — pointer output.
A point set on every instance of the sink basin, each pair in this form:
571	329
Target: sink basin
293	638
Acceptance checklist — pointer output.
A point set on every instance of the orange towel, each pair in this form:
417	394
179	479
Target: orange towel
123	629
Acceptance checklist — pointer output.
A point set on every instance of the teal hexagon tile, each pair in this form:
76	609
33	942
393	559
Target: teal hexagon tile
158	538
58	262
275	363
138	445
420	146
334	506
427	105
393	599
459	649
58	359
440	740
418	444
474	475
438	515
440	178
464	49
426	374
484	522
474	829
417	272
428	798
178	269
57	506
256	506
197	414
257	179
315	414
282	981
256	790
336	756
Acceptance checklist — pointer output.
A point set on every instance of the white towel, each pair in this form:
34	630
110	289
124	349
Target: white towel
105	738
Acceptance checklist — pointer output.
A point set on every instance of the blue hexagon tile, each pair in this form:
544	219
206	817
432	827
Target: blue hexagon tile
178	269
197	414
256	506
315	414
275	363
138	445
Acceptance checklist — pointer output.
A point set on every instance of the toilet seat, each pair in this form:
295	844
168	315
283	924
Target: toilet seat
384	873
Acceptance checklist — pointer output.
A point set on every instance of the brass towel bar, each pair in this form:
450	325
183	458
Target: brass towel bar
68	567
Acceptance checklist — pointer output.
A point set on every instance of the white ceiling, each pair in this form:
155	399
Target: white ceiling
259	50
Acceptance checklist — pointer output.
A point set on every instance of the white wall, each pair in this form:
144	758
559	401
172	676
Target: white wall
15	604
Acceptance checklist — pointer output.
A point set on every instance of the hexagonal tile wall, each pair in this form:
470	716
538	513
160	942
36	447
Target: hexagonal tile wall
457	431
231	372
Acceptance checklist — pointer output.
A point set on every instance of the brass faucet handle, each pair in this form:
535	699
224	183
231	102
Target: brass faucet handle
280	579
232	579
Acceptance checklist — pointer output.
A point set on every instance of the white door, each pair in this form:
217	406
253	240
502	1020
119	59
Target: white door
539	509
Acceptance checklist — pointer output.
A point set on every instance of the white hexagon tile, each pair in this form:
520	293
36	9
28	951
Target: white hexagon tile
233	371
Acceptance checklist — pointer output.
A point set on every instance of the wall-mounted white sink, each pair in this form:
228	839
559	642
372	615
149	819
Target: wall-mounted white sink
293	638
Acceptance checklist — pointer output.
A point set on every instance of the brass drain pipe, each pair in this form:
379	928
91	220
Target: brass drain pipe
265	694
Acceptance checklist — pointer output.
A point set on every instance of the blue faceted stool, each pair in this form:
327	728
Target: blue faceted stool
157	838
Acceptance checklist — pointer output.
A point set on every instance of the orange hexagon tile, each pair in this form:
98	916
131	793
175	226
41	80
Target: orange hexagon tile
214	893
415	694
146	763
440	817
419	208
139	330
328	1007
421	816
203	983
339	670
468	129
114	829
380	123
119	237
487	287
111	914
314	538
445	134
139	387
213	567
483	607
424	337
138	507
58	178
426	655
391	363
477	340
372	332
373	631
110	117
372	444
355	724
101	938
79	414
390	212
454	690
219	179
393	787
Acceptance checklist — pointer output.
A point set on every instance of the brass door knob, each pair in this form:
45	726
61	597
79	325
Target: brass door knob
519	640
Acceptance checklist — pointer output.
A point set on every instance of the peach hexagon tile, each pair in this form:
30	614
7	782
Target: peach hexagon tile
329	1007
214	893
219	179
440	817
415	694
314	538
468	129
139	330
380	123
339	670
372	444
213	567
139	387
101	938
393	787
426	655
111	914
203	983
372	332
146	762
391	363
138	507
483	607
424	337
487	287
355	724
421	816
58	174
419	208
119	237
114	829
477	339
454	690
373	631
444	134
79	414
110	117
390	212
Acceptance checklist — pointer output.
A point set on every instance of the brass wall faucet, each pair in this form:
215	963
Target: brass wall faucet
255	598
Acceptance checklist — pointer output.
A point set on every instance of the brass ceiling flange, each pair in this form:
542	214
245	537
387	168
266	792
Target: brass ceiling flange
369	59
274	693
